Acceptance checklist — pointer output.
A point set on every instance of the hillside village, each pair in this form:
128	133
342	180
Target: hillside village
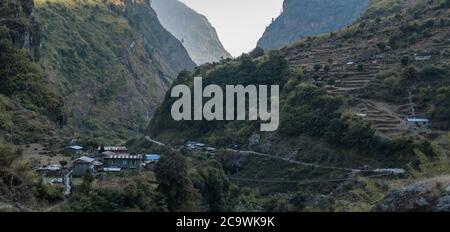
365	120
78	162
103	160
349	76
357	67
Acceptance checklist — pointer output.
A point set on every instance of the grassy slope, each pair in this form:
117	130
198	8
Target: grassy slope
107	63
29	109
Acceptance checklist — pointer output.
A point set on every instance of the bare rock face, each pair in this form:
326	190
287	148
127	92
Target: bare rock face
426	196
23	29
198	36
443	204
301	18
254	140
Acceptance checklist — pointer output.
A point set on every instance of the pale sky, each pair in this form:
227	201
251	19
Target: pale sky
239	23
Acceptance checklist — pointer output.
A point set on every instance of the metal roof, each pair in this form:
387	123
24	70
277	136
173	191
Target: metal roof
418	120
391	170
52	167
152	157
124	156
112	169
114	148
85	159
106	153
97	163
75	147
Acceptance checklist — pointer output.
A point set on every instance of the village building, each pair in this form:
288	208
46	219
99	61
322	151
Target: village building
190	145
150	161
53	170
152	158
116	150
111	170
123	161
101	156
83	165
422	58
361	115
418	122
210	150
107	153
98	166
426	55
73	149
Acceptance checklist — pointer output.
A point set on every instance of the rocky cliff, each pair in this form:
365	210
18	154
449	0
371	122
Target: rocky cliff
301	18
425	196
29	108
194	30
24	31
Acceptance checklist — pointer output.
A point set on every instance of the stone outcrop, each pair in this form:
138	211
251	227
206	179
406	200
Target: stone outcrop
429	196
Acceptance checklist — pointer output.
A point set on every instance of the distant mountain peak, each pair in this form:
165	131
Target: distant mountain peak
194	30
301	18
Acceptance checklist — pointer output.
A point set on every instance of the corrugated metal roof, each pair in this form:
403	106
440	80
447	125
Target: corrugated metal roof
124	156
85	159
114	148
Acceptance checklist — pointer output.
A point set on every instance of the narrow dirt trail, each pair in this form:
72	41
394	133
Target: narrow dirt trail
293	161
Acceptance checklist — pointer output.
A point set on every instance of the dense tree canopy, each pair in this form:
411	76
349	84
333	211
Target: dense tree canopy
174	183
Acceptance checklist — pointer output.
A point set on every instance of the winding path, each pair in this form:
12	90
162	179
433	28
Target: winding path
293	161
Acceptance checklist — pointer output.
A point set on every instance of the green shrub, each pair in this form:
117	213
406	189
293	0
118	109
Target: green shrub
48	193
317	67
381	46
7	155
405	61
432	72
331	81
119	194
360	67
441	111
410	74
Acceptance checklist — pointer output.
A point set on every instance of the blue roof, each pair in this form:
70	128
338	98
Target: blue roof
152	157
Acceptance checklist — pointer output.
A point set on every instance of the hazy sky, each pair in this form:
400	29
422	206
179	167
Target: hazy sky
239	23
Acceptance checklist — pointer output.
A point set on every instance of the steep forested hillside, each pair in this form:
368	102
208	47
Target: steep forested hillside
29	108
30	111
345	99
195	32
301	18
95	67
110	60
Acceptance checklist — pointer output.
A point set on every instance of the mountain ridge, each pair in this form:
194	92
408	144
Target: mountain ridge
193	29
309	17
107	58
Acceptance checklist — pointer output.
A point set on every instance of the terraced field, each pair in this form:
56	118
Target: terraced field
352	69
